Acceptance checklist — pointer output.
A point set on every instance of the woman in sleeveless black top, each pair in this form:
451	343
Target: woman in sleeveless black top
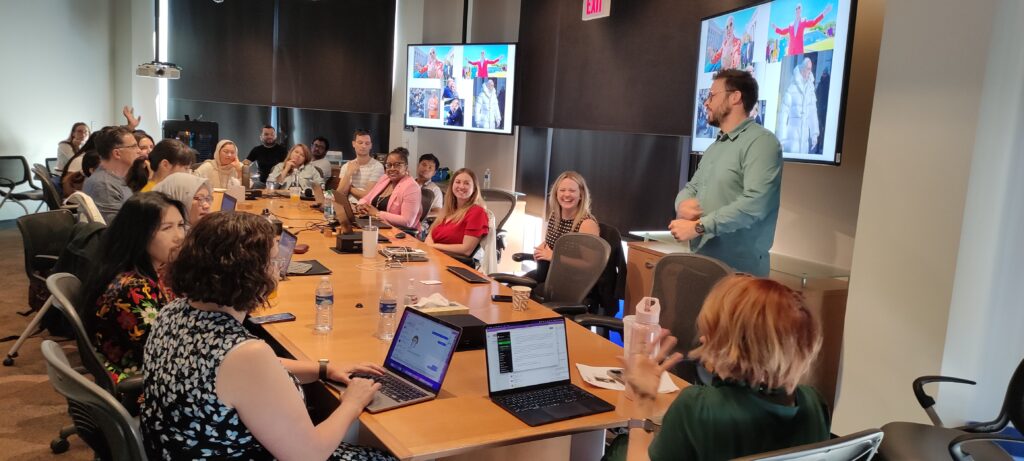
569	205
215	391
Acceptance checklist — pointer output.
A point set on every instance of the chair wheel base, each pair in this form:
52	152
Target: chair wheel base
58	446
8	361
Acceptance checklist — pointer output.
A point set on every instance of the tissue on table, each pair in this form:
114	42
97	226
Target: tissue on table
436	304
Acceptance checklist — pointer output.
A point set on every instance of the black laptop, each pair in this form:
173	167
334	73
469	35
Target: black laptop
528	373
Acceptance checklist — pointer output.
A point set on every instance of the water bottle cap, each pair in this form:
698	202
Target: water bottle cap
325	278
648	310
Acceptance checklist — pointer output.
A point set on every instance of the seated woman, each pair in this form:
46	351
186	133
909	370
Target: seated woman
194	192
758	338
145	141
70	147
463	222
296	171
215	391
223	169
569	202
396	196
168	157
126	290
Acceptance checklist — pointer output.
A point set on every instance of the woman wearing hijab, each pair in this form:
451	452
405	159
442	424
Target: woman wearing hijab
192	191
223	169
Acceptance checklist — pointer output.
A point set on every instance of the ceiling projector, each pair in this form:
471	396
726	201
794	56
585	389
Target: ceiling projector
158	69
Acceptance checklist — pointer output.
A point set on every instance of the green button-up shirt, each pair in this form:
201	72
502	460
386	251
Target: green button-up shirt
738	184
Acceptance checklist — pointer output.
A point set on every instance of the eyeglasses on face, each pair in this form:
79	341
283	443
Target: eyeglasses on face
133	146
203	199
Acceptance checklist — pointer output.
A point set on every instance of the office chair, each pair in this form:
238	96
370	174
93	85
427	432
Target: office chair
577	262
100	420
859	446
51	165
502	203
913	441
65	288
51	197
13	173
426	200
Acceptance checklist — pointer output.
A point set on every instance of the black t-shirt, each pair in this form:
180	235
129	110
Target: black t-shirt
267	157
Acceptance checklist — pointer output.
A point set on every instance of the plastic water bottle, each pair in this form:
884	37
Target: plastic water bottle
388	306
645	328
324	306
487	178
411	297
328	206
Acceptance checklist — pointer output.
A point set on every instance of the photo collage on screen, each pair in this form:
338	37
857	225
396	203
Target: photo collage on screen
460	86
788	45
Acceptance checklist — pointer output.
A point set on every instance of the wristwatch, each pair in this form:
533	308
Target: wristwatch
699	228
645	424
323	369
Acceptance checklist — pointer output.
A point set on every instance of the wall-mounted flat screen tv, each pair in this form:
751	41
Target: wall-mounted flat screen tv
798	50
461	87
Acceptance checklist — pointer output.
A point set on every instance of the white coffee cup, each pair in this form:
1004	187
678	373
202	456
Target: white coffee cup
520	297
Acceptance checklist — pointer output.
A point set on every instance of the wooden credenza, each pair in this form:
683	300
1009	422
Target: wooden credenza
825	293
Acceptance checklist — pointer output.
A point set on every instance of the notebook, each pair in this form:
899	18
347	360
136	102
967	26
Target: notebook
528	373
417	361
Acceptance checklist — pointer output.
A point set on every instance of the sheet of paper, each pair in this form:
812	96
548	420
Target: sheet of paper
430	282
598	376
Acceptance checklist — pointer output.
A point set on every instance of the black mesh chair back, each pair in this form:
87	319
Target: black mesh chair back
100	420
577	261
426	200
13	170
65	288
611	286
500	202
51	164
50	194
859	446
681	282
44	236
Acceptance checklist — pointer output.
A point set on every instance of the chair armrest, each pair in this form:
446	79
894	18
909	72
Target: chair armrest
514	280
72	207
43	262
603	321
568	310
131	390
926	401
957	451
520	257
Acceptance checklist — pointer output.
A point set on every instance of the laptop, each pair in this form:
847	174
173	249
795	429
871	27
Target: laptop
285	249
346	206
528	373
417	361
228	203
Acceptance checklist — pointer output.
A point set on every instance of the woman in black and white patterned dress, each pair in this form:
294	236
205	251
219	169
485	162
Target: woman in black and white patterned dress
569	208
214	391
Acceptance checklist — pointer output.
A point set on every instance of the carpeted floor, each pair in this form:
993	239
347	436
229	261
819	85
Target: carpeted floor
32	412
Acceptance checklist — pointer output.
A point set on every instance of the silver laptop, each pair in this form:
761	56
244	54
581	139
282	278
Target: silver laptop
417	361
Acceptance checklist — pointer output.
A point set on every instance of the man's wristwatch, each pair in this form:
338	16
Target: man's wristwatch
323	369
645	424
699	228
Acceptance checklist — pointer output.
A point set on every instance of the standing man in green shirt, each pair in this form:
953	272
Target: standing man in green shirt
729	209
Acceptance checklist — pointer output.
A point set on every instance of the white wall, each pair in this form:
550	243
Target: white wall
983	339
59	72
919	152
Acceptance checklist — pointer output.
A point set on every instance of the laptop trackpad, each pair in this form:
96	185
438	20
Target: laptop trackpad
566	410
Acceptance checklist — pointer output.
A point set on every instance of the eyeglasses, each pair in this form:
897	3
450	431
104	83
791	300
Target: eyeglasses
203	200
712	94
133	146
394	166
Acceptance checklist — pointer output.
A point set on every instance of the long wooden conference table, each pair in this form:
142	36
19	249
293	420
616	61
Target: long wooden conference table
461	423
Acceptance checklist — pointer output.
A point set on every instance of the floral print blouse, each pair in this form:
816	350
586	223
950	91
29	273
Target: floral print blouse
126	312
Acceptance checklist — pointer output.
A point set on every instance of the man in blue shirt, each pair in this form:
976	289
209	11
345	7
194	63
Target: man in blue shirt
729	209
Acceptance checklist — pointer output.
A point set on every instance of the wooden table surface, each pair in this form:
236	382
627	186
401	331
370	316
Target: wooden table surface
462	418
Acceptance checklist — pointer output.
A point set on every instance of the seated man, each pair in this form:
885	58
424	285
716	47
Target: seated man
425	169
117	150
319	147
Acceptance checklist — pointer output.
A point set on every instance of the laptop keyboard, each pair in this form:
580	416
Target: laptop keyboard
466	274
395	388
296	267
542	398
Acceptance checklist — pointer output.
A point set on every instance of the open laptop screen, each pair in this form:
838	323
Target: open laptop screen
524	354
422	349
285	249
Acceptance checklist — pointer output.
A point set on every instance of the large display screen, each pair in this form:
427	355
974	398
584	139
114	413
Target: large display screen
461	87
798	52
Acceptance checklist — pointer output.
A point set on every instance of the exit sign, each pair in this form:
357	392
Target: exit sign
593	9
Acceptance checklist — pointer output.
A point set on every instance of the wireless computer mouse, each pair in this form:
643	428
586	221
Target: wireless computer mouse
400	235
